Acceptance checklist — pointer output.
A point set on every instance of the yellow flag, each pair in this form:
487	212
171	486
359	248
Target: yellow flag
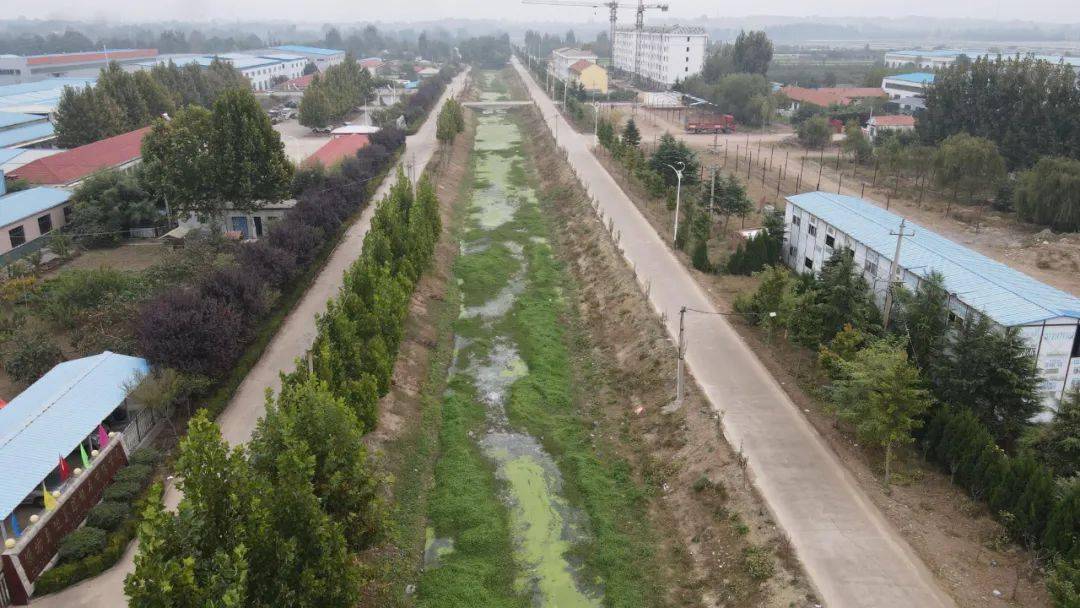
50	502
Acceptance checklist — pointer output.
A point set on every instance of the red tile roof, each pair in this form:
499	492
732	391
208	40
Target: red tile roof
77	163
297	84
827	97
68	58
337	149
580	65
371	63
897	120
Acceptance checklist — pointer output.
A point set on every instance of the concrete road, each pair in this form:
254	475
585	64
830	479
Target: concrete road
851	553
292	340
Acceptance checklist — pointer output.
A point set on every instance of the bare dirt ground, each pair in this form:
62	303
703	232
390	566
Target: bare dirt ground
1051	258
133	255
953	534
717	522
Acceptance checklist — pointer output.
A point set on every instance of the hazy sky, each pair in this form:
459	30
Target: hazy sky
1053	11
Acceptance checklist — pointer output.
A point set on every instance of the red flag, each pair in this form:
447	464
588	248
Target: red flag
65	469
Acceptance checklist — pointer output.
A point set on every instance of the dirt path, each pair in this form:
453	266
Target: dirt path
292	341
852	554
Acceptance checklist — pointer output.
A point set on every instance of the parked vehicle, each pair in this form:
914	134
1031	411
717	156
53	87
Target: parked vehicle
720	124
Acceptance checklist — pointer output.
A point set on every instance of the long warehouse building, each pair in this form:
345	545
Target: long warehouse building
820	223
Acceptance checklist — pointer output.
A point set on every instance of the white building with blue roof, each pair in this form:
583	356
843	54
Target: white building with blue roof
39	97
261	68
913	84
26	216
821	223
322	58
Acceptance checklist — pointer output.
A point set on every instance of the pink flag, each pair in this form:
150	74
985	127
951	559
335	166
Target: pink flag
102	437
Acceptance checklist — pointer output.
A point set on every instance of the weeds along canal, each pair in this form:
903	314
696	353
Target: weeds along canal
499	495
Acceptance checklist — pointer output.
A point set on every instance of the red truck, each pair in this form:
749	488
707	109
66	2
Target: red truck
719	124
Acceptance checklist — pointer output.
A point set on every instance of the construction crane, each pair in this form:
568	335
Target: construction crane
613	9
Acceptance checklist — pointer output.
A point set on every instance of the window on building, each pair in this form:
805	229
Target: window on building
44	223
67	214
1076	343
811	230
17	236
808	263
871	267
830	241
796	220
791	251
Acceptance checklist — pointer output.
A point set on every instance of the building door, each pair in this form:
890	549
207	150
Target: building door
240	224
258	227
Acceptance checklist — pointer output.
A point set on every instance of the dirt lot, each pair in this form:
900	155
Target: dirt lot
1051	258
134	255
953	534
299	141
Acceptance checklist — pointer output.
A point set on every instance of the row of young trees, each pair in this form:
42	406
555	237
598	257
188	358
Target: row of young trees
335	92
203	328
122	101
414	108
973	387
282	521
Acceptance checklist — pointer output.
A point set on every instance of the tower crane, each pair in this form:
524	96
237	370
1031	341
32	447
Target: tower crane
613	9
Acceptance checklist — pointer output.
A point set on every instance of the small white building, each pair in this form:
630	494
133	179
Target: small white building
661	54
819	224
907	85
896	123
26	216
244	225
562	59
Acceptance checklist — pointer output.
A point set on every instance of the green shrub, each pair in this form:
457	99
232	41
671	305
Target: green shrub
145	456
122	492
1064	584
135	473
759	563
108	515
64	575
81	543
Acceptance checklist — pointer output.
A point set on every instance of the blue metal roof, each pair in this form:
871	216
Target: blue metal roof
9	119
41	93
1007	296
20	205
938	53
7	154
29	133
307	50
915	77
53	415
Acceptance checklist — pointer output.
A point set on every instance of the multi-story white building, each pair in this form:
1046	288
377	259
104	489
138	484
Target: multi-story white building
818	224
663	55
562	59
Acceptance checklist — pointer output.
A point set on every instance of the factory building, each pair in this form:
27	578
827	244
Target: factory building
322	58
31	68
818	224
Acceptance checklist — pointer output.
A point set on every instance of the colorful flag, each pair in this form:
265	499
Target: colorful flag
50	500
15	526
102	437
65	469
85	458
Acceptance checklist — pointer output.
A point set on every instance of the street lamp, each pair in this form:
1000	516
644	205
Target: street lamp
678	195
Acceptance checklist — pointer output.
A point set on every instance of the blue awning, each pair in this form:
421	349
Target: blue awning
53	415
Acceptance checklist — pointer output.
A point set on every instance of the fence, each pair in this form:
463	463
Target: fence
142	425
23	250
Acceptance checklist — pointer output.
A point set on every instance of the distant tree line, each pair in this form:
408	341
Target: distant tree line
166	41
123	101
489	52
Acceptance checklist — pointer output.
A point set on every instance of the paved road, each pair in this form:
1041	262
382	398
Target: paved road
852	554
292	340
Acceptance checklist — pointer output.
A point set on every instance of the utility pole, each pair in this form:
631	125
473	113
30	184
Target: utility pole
900	234
712	192
679	382
596	125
